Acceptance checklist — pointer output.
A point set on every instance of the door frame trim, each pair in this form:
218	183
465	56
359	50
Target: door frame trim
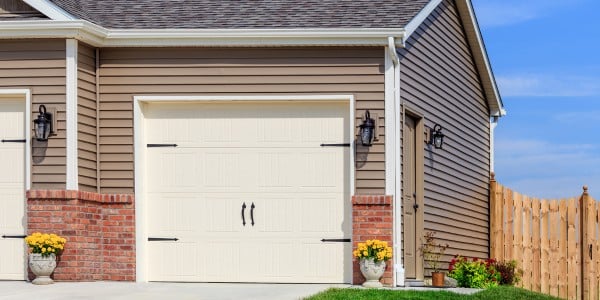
139	101
23	94
419	118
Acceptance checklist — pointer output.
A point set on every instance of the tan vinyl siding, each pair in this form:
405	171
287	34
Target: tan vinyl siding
440	81
39	65
86	117
17	9
242	71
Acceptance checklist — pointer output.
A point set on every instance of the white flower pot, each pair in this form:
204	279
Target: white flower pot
372	271
42	267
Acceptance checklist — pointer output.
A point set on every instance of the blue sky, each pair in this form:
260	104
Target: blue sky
546	58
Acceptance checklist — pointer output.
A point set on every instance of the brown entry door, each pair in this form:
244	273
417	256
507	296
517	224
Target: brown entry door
412	203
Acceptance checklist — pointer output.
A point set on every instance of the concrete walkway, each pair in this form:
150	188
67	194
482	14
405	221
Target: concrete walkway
20	290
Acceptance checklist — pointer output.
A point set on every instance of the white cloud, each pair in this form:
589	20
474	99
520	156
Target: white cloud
494	13
548	85
588	117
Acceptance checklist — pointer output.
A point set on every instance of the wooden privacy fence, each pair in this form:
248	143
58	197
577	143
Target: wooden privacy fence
545	238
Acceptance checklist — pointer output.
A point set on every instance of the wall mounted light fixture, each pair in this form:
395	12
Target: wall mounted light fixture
43	125
367	130
436	137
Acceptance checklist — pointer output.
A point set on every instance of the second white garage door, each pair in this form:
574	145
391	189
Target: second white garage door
248	192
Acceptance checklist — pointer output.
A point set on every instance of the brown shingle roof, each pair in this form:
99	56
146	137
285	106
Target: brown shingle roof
215	14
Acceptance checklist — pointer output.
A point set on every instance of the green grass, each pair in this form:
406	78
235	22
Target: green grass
502	292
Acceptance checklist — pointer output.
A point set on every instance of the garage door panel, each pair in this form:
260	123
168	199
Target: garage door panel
12	260
174	214
322	215
222	263
174	261
223	214
275	213
223	170
174	166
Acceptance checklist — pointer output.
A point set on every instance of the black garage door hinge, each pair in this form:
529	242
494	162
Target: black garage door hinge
14	236
335	145
160	145
13	141
336	240
154	239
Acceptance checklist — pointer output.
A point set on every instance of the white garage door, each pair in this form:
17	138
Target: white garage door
12	189
258	163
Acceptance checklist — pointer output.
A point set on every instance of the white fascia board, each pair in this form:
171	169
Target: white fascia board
101	37
496	105
420	18
50	9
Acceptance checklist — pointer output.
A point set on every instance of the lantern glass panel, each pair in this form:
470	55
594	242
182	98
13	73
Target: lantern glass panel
366	136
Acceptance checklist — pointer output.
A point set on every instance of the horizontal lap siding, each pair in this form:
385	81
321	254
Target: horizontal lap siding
86	117
439	80
39	65
234	71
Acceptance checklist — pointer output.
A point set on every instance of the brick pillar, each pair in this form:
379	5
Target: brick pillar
372	219
99	228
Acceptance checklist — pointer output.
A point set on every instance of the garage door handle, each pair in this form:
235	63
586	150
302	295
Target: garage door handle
252	213
243	214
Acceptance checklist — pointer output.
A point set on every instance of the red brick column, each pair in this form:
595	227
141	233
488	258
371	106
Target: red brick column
99	228
372	219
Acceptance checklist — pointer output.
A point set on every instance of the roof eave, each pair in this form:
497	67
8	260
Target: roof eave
101	37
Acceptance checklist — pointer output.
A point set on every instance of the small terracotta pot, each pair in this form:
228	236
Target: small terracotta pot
437	279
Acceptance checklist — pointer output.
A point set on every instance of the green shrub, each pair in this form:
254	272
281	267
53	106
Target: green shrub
474	273
509	274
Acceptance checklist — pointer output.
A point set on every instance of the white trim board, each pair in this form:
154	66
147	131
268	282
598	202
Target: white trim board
141	227
420	18
26	95
50	10
71	111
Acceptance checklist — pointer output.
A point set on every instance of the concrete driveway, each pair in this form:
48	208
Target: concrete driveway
17	290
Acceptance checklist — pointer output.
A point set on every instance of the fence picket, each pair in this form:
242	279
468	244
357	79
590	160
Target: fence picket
554	247
535	260
545	253
572	251
527	243
518	231
508	232
562	249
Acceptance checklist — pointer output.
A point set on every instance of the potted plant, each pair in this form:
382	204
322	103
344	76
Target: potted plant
42	259
431	253
372	256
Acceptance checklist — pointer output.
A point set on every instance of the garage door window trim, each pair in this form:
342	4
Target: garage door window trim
140	148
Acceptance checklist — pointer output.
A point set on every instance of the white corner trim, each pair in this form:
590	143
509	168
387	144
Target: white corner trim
493	124
141	228
25	94
71	112
50	9
420	18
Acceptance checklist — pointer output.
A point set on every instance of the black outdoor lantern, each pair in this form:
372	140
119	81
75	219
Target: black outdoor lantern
436	136
43	125
367	130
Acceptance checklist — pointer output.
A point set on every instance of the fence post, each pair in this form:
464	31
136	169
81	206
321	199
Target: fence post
496	219
583	244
